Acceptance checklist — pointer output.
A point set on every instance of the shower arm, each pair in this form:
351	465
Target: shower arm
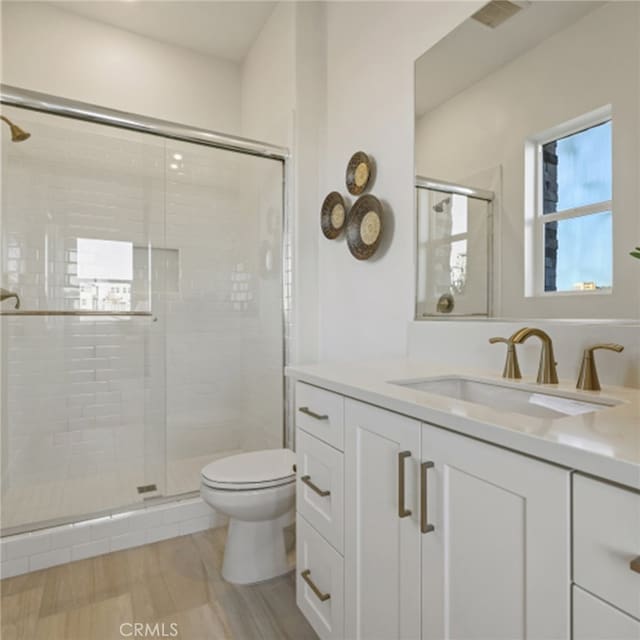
5	294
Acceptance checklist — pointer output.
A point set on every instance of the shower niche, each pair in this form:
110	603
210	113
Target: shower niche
455	232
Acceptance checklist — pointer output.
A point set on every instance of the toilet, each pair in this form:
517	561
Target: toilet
257	491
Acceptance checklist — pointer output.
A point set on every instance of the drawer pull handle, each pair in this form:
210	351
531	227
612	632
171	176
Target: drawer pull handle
402	511
313	414
306	576
635	564
322	493
425	527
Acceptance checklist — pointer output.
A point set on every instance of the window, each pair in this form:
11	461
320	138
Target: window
573	212
105	274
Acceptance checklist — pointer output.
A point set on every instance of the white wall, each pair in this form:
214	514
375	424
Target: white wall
371	49
590	64
53	51
268	80
284	101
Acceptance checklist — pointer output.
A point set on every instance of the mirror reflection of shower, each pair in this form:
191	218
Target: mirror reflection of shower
454	246
17	133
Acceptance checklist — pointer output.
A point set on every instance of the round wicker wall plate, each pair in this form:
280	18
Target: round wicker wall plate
359	173
364	227
333	215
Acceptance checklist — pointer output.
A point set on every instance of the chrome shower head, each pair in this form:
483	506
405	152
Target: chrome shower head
17	134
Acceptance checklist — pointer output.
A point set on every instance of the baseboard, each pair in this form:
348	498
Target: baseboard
26	552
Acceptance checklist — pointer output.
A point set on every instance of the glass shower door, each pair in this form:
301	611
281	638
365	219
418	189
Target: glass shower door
149	338
224	307
82	359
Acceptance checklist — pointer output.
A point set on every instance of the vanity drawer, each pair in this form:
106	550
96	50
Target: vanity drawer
320	488
321	413
606	540
594	619
319	582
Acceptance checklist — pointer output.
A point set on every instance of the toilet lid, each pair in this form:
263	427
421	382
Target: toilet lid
253	468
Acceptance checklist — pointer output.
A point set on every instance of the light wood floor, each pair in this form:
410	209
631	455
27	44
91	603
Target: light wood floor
173	581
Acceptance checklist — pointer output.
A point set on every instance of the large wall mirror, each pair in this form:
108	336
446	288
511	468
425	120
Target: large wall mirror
527	163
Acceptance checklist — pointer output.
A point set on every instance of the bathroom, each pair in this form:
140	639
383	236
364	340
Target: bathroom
223	415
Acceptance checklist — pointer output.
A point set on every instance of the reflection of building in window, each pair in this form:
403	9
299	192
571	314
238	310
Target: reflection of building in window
574	211
105	274
105	296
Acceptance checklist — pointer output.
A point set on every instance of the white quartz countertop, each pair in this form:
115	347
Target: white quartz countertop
604	443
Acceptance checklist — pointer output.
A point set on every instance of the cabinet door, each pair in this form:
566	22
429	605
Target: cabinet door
496	564
594	619
382	540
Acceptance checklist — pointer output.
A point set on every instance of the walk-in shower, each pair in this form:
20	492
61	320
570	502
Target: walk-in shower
147	258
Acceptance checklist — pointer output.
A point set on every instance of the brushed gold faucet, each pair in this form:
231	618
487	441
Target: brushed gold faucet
547	373
511	367
588	376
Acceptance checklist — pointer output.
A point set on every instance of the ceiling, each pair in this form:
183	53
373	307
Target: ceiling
222	29
473	51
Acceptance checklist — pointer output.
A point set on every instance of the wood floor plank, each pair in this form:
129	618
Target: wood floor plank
174	581
20	613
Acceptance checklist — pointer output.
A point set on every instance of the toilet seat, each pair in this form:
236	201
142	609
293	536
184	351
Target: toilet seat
250	471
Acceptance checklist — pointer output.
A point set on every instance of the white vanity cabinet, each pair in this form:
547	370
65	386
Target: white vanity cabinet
382	536
606	561
415	532
495	547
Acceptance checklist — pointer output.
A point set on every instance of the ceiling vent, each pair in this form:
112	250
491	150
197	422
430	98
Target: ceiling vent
497	11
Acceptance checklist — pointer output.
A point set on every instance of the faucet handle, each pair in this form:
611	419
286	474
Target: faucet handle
588	376
511	366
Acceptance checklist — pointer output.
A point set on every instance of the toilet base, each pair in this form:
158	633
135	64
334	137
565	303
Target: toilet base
255	551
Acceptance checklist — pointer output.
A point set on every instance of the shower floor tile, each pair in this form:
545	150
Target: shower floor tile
77	497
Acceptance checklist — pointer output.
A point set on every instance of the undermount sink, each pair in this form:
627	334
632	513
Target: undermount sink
524	400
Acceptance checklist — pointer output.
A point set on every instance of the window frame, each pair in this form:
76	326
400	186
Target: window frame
539	218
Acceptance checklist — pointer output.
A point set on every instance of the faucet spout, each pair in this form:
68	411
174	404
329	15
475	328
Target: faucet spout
5	294
547	372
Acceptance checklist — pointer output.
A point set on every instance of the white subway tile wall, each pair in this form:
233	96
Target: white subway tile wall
37	550
96	407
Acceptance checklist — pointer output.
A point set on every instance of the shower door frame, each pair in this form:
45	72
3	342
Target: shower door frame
76	110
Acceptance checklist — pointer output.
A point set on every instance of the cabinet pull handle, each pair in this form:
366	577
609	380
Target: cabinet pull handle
402	512
425	527
322	493
306	576
313	414
635	564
